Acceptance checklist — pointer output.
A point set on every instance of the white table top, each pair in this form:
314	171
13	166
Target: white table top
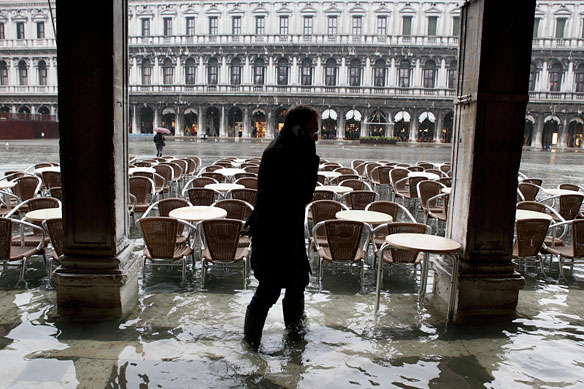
5	184
562	192
55	169
522	214
43	214
335	188
446	190
197	213
371	217
423	242
142	169
224	187
328	174
229	171
429	176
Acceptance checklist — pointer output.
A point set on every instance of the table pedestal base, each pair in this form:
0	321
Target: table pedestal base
98	293
478	296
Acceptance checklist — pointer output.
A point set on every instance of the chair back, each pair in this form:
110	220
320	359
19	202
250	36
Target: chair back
528	191
248	182
401	255
55	230
167	205
569	206
246	194
56	192
532	206
141	187
42	203
324	210
438	172
360	168
142	164
413	186
397	174
426	190
536	181
359	199
221	238
343	238
445	168
369	168
27	187
415	168
356	162
425	165
345	170
341	178
446	181
216	176
236	209
323	195
237	176
159	235
165	171
252	169
573	187
355	184
184	165
5	237
200	182
51	179
201	196
380	175
530	235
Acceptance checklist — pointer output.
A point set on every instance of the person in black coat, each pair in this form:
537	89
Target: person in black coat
160	143
286	181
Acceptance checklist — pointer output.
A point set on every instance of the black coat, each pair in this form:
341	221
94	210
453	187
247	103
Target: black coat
286	181
159	139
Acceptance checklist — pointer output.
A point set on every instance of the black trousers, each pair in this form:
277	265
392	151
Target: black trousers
159	150
267	295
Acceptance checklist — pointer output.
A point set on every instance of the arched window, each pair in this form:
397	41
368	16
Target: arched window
258	72
452	74
379	73
168	72
429	74
579	78
22	73
42	69
355	73
235	71
44	111
190	71
146	72
212	72
404	71
282	71
556	77
330	72
306	72
3	73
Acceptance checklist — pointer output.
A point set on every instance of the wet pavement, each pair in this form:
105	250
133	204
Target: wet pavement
189	335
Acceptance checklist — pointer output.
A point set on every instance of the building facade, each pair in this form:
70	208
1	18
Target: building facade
231	69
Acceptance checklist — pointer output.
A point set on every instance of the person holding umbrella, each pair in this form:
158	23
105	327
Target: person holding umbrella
159	140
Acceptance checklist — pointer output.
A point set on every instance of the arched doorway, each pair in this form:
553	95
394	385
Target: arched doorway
551	132
280	116
5	108
328	124
212	121
353	124
146	120
427	121
169	119
258	123
191	122
528	131
24	109
575	133
44	111
401	128
447	123
378	123
234	122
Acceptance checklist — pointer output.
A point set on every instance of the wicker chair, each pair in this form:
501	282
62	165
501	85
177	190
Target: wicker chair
396	211
318	211
202	196
237	210
398	185
425	165
160	183
198	182
51	180
54	227
356	184
220	246
322	195
211	168
27	187
339	179
248	182
428	189
161	246
573	251
237	176
411	194
358	199
252	169
380	176
12	252
34	238
528	191
369	168
360	169
357	162
214	175
164	207
529	239
415	168
568	206
345	170
536	181
551	238
167	173
248	195
143	189
342	238
574	187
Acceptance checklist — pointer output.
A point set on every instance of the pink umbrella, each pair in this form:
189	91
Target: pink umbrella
162	130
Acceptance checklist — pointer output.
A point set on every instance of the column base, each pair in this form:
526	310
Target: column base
479	296
98	294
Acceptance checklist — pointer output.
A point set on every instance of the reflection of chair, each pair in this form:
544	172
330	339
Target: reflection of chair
161	244
358	199
12	252
55	229
529	239
202	196
245	194
220	246
343	238
571	252
320	210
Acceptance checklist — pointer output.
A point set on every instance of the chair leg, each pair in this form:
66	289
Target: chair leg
561	266
22	268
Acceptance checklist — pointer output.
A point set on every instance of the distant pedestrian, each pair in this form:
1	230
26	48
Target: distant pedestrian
160	143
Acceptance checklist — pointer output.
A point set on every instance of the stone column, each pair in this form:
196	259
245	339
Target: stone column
537	137
340	124
364	122
269	124
246	123
414	127
222	122
98	275
135	121
563	133
489	121
202	125
179	126
156	116
438	127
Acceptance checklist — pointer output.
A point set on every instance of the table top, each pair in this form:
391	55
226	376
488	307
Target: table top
371	217
522	214
43	214
141	169
446	190
197	213
328	174
5	184
335	188
423	242
229	171
561	192
55	169
429	176
224	187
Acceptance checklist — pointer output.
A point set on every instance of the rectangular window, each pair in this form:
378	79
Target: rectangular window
555	81
582	30
404	78
260	25
213	25
560	27
536	28
455	25
407	26
168	75
43	75
23	76
307	25
236	75
332	25
2	33
429	78
283	25
190	75
306	78
330	76
146	75
145	27
167	26
354	76
432	24
379	77
258	75
282	75
357	25
532	77
190	26
579	82
236	25
213	75
381	25
4	75
451	79
20	30
40	30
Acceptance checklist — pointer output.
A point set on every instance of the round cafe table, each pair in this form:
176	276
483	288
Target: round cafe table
5	184
329	174
338	189
561	192
40	215
428	244
229	171
369	217
522	214
446	190
197	213
428	176
142	169
55	169
224	187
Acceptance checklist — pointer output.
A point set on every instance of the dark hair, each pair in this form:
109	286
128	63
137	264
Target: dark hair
299	115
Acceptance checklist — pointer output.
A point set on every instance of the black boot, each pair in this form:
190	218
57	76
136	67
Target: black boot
253	327
294	318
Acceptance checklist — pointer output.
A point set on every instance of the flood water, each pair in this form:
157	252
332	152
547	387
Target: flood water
189	335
